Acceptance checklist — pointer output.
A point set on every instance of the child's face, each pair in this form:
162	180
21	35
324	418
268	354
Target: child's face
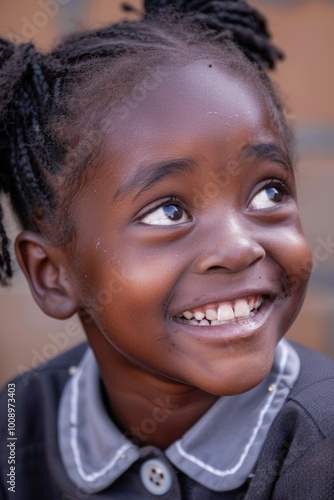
193	209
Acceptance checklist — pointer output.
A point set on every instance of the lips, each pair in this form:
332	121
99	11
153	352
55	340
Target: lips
223	312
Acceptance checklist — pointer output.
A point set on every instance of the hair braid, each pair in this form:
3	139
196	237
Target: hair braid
23	99
228	18
120	39
5	260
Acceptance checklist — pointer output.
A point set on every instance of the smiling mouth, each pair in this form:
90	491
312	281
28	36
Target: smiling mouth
222	313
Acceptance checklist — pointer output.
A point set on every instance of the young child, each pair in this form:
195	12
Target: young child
151	168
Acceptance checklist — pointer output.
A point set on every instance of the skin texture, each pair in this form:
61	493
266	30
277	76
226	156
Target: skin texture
134	271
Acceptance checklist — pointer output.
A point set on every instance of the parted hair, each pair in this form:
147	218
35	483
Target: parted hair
46	100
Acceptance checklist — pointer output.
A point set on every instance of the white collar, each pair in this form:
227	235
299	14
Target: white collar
220	451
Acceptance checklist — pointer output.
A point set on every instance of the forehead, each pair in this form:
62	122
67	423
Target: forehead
201	90
185	108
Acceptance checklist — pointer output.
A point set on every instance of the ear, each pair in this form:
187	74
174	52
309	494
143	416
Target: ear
46	269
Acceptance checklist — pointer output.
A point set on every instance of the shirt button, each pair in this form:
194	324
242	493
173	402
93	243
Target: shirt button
156	477
72	370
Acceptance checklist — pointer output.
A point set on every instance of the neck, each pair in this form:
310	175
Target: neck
149	410
157	417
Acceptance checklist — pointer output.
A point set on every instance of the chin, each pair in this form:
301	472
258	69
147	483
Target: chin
236	376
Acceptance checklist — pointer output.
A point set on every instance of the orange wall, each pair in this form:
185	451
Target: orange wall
304	30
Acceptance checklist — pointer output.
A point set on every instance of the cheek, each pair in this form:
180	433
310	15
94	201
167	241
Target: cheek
288	247
299	276
292	253
134	280
296	260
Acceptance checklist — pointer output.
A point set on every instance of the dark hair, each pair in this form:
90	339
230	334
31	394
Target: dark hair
45	100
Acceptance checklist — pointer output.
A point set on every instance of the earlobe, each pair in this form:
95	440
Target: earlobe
46	270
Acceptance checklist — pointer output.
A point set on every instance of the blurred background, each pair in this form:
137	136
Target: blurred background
304	30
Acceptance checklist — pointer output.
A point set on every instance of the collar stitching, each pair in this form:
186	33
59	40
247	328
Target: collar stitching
74	434
248	446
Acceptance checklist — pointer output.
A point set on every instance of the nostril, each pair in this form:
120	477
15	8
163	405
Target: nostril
214	268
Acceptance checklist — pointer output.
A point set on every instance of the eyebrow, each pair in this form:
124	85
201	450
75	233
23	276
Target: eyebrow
269	151
151	174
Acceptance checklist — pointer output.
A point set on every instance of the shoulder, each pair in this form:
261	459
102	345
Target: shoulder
314	388
40	388
33	429
306	420
56	367
297	458
314	365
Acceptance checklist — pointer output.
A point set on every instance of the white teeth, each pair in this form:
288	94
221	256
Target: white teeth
241	308
204	322
225	312
211	314
199	315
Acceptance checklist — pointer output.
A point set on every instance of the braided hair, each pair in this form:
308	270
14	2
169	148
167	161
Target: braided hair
46	99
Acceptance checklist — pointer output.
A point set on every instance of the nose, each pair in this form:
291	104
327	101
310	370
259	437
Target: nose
229	245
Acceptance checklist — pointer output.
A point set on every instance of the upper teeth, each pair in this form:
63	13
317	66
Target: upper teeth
222	312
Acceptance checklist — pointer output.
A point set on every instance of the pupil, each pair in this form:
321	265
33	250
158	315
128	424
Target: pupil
173	212
274	194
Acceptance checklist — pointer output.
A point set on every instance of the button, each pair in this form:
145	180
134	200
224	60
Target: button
72	370
156	477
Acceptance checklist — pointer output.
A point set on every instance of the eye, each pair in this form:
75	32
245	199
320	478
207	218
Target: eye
268	197
168	214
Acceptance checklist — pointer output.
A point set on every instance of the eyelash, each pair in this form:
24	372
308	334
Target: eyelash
278	182
169	200
273	182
